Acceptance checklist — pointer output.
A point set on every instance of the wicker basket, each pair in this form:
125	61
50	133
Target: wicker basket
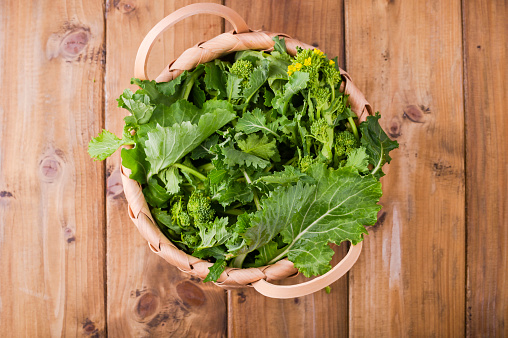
242	38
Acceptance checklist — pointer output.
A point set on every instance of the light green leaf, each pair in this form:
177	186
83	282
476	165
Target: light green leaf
288	176
138	104
297	82
233	87
166	145
215	235
105	144
172	179
234	157
254	121
266	253
257	79
259	146
358	159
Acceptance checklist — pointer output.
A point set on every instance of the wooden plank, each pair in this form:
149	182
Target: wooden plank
486	93
320	315
147	296
52	248
406	56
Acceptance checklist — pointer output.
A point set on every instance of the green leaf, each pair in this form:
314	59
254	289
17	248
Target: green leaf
164	218
260	146
290	175
138	104
377	143
105	144
215	79
166	145
135	160
155	194
214	235
215	271
228	191
205	148
233	87
358	159
254	121
198	94
234	157
266	253
311	216
172	179
257	79
280	44
180	111
297	82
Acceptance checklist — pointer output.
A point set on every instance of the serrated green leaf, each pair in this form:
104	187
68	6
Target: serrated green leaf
166	145
178	112
311	216
215	79
288	176
227	191
254	121
105	144
297	82
138	104
377	143
233	157
215	271
205	148
233	87
172	179
259	146
257	79
358	159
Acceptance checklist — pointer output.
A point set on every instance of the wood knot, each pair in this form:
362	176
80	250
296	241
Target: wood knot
6	194
414	113
147	305
191	294
394	128
89	327
125	6
50	168
241	297
68	43
69	235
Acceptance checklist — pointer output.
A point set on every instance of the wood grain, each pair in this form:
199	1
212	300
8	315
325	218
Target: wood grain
51	194
320	314
146	295
406	57
486	93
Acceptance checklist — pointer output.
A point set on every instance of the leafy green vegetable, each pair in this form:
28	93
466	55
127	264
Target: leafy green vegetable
254	158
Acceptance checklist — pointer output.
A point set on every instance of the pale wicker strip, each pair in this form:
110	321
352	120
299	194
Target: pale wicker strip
240	39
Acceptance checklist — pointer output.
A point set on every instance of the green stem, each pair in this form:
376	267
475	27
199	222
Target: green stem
291	161
256	199
206	167
190	171
353	127
380	163
189	82
238	261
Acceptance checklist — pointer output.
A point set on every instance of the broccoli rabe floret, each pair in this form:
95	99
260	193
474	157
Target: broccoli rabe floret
200	208
345	142
305	162
179	213
319	129
243	69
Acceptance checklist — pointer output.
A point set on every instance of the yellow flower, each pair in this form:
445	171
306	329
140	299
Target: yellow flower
307	61
332	62
298	66
290	72
318	52
291	68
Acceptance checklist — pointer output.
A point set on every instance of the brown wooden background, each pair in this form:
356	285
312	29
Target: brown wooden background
72	263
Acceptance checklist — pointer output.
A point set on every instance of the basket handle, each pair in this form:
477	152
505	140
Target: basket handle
318	283
227	13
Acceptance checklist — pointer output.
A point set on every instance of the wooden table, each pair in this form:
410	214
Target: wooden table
72	263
